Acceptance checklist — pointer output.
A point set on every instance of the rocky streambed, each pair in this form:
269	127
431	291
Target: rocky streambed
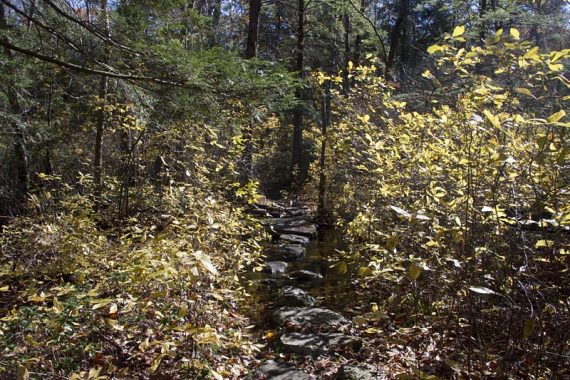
300	300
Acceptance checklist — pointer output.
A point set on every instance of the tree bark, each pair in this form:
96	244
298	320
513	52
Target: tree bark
250	52
298	172
395	37
482	11
251	45
22	176
101	118
345	71
325	121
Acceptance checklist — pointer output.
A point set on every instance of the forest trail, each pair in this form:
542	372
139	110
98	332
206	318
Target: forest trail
302	301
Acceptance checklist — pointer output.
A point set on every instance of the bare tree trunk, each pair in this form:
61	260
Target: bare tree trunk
482	11
250	52
216	16
325	122
22	178
251	45
345	78
395	37
297	170
101	118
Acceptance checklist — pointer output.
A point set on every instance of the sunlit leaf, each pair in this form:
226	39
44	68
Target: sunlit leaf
482	290
458	31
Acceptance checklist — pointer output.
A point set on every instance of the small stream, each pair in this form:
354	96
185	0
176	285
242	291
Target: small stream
299	300
334	291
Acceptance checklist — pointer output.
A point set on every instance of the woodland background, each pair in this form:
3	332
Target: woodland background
136	135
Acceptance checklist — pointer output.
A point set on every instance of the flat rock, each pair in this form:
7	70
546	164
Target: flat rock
275	267
292	251
277	282
282	222
307	230
280	371
294	239
357	372
304	316
305	275
318	344
290	296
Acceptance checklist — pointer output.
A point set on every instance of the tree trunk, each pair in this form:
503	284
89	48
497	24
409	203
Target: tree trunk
22	176
298	173
325	121
216	15
482	11
345	73
251	45
101	118
250	52
395	36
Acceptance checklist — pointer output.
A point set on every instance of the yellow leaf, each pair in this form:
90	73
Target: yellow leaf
156	362
434	49
532	53
5	288
144	345
556	116
555	67
23	373
524	91
493	119
543	244
342	267
99	303
415	270
515	33
458	31
57	307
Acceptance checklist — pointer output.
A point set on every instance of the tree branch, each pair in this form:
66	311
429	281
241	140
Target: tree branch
88	70
374	28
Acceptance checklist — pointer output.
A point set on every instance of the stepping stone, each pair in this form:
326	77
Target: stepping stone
275	267
290	296
278	282
305	275
357	372
280	371
292	252
318	344
295	239
305	316
282	222
308	230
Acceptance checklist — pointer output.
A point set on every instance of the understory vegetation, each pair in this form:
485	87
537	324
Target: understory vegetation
135	141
